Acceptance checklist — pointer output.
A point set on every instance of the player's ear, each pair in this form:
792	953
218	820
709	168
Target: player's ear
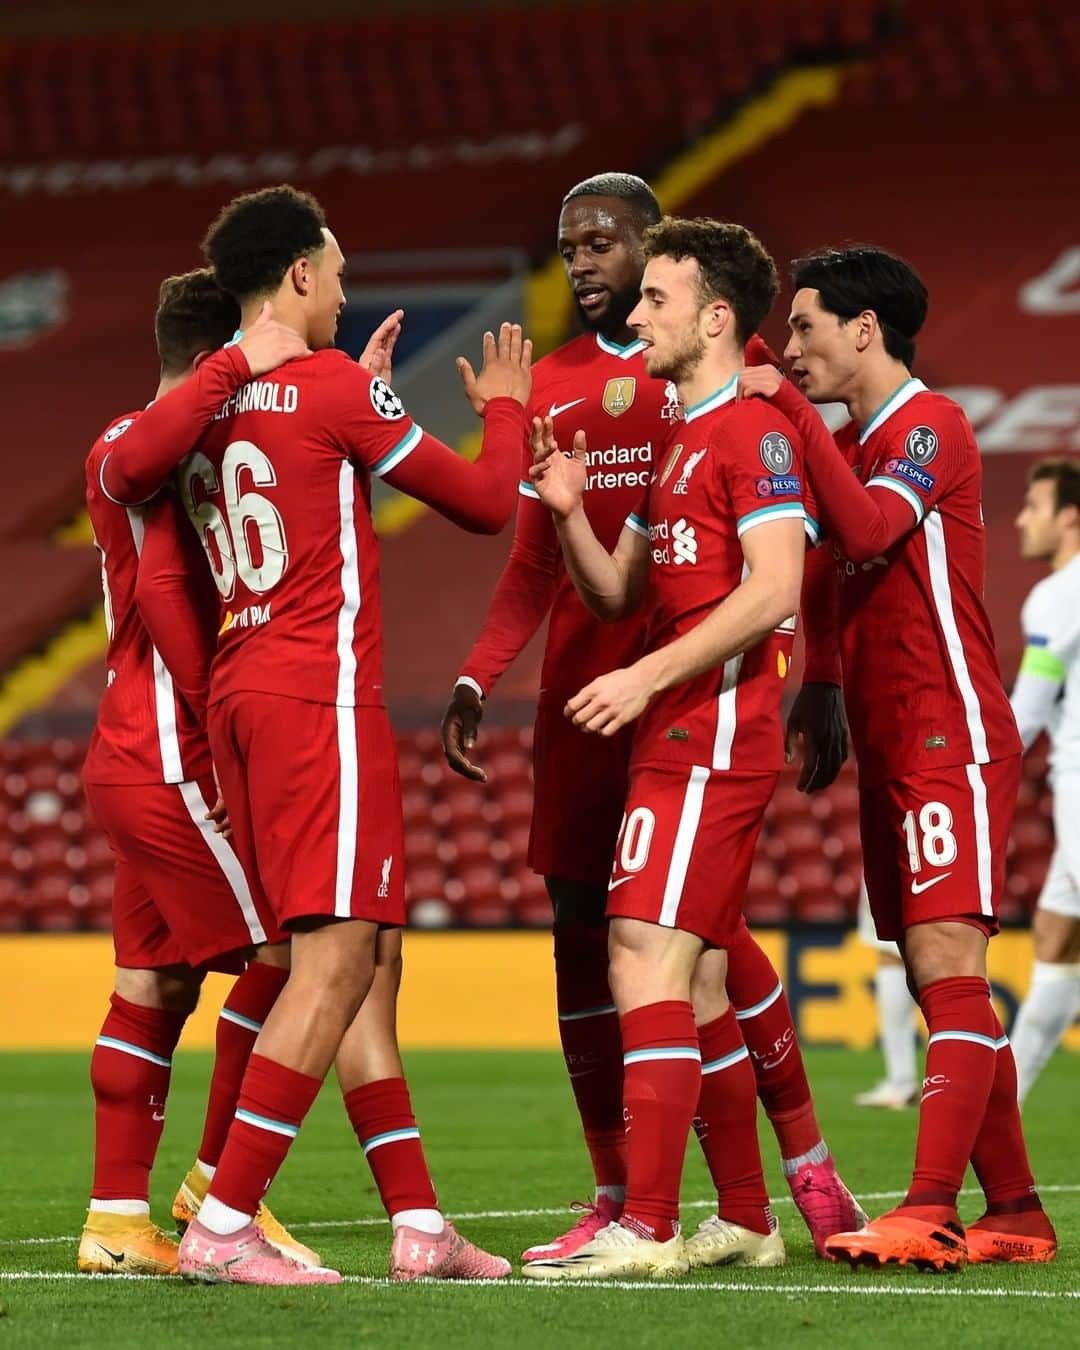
300	275
866	325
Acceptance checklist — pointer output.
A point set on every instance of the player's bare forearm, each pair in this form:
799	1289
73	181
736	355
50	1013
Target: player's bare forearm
748	615
610	584
141	459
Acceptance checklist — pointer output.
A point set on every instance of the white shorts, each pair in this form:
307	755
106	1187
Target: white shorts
1061	889
867	934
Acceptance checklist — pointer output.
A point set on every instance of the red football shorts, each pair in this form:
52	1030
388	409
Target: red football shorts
180	893
315	803
579	793
934	845
685	848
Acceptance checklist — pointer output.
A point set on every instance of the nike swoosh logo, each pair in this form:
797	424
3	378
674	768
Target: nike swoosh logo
117	1258
917	887
777	1062
621	882
158	1115
933	1093
557	408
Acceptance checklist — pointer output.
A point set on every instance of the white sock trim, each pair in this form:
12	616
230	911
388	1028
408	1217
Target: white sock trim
222	1219
205	1169
1050	972
132	1207
426	1220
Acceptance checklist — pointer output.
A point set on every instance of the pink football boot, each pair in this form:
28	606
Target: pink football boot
593	1218
242	1258
826	1204
416	1255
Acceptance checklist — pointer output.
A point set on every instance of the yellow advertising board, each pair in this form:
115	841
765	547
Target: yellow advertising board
472	990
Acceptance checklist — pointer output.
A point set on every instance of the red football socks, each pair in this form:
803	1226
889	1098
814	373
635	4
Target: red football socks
382	1116
768	1029
129	1072
1000	1156
273	1103
592	1045
961	1062
239	1023
726	1124
661	1086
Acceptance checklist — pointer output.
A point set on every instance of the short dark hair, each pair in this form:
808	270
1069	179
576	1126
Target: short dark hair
858	277
259	235
1064	473
627	186
733	264
193	315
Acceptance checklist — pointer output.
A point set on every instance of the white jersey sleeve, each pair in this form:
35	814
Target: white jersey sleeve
1051	622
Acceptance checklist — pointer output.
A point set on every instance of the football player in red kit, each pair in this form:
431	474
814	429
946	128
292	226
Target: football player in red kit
278	488
934	736
181	901
598	382
714	555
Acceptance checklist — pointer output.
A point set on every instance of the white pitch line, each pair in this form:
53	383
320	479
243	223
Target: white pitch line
370	1221
858	1290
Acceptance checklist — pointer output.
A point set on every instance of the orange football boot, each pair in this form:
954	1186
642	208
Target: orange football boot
1026	1237
927	1237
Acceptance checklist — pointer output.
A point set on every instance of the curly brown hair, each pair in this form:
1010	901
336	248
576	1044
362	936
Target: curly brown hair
733	265
257	237
193	315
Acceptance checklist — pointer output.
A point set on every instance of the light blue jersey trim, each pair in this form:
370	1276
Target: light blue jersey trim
265	1123
402	450
901	489
893	403
717	400
744	1014
238	336
604	1011
781	511
527	490
813	529
390	1137
227	1015
975	1037
126	1048
613	348
726	1061
663	1052
635	523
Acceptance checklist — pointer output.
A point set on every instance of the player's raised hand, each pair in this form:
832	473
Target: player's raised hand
817	720
378	356
268	343
460	726
559	479
506	372
612	701
758	382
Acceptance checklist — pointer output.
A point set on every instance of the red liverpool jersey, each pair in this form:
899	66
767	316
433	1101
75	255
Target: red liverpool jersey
734	465
594	385
921	679
279	490
145	733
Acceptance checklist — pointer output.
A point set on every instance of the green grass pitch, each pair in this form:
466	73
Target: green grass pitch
500	1136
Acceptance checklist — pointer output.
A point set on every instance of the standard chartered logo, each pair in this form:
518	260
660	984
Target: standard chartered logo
676	542
684	542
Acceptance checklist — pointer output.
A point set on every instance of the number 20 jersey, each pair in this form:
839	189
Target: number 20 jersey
279	489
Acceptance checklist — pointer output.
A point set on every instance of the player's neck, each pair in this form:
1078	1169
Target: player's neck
711	374
283	312
1066	552
169	382
874	390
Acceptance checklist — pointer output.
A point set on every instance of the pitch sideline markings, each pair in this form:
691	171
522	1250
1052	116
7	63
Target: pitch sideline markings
652	1286
370	1221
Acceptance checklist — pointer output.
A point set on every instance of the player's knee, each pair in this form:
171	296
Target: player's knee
575	902
944	951
708	994
172	988
276	954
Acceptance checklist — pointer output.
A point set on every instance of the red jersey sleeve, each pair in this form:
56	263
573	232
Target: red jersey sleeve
759	466
820	622
374	429
177	599
524	592
868	520
142	452
759	353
